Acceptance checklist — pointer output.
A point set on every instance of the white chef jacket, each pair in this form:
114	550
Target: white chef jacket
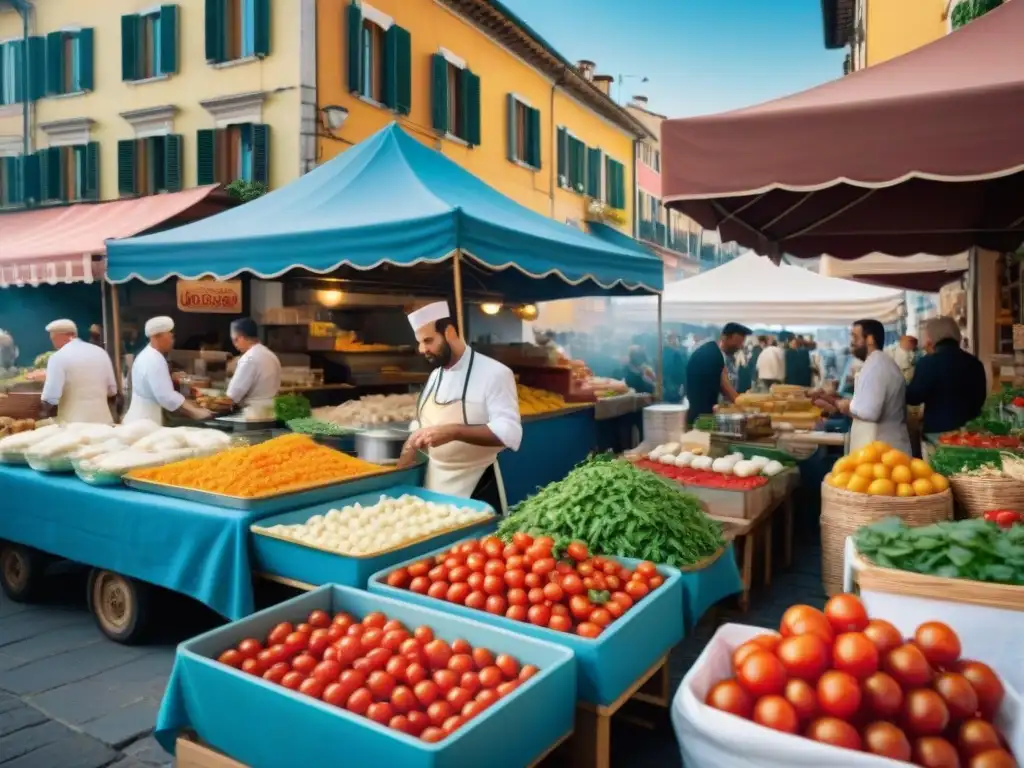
82	375
881	398
151	380
491	383
771	364
257	376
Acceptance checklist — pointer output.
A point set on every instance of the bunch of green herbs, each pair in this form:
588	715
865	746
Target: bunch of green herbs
965	549
290	407
952	460
316	427
618	509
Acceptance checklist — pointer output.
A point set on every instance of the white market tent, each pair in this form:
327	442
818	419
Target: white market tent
751	289
921	272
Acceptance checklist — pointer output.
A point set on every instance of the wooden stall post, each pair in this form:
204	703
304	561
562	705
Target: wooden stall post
457	271
115	347
658	393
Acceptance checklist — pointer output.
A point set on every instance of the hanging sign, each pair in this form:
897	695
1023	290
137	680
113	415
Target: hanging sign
211	296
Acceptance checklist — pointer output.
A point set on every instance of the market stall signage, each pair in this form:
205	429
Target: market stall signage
210	296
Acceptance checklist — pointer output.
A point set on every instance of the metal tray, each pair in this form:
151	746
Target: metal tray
240	424
284	502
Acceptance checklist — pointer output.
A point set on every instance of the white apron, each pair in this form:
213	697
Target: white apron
861	434
144	409
455	468
82	402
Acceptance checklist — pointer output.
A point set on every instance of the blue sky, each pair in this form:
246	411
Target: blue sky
700	56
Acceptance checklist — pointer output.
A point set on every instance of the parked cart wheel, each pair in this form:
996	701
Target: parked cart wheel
21	571
120	605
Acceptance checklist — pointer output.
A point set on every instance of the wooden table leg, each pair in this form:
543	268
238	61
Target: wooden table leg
787	544
748	570
767	533
592	740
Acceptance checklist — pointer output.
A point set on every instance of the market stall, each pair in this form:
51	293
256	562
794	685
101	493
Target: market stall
339	229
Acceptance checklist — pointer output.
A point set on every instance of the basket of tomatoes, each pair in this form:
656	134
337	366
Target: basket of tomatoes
339	676
840	680
618	615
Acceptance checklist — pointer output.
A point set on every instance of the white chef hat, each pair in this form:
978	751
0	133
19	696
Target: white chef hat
157	325
429	314
62	326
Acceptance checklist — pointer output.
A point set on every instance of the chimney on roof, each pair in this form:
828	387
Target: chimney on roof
640	101
604	83
586	68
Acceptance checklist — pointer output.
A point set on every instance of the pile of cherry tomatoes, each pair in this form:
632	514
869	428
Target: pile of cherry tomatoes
843	679
408	680
523	581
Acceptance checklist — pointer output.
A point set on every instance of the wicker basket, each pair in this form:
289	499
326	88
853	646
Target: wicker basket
20	405
844	512
977	495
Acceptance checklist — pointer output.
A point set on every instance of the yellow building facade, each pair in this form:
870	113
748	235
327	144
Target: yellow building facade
132	97
468	79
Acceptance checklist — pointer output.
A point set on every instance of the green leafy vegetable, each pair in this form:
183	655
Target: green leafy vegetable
618	509
965	549
951	460
290	407
317	427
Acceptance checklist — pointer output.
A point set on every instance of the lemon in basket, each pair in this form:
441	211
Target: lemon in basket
845	464
895	458
869	454
939	482
839	479
880	471
858	484
921	468
883	486
880	446
867	471
905	490
923	487
901	475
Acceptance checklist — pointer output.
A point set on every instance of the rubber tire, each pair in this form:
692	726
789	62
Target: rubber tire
33	561
140	596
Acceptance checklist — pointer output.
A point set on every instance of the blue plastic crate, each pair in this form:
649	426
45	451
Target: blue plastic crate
292	560
609	663
268	726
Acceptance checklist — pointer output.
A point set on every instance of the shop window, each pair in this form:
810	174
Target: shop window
523	132
572	162
456	100
69	61
379	58
69	173
595	163
235	152
149	166
149	43
237	29
11	182
12	70
615	183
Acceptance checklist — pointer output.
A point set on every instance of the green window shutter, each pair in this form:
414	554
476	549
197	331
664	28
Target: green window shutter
510	119
30	178
439	93
55	63
86	57
206	156
168	63
562	150
594	155
620	185
129	45
215	30
19	67
36	68
470	87
91	187
172	162
2	59
261	27
354	18
389	88
397	90
609	180
43	162
126	167
51	167
533	137
12	189
261	153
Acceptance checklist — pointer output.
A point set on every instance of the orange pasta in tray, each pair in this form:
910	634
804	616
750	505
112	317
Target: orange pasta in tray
284	464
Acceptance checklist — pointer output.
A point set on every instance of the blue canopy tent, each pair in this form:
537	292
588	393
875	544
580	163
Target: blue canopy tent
391	202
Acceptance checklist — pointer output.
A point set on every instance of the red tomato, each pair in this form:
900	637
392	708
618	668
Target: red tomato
327	671
534	580
394	639
476	561
886	740
495	568
515	578
802	696
577	550
976	736
553	592
832	730
486	697
580	607
381	685
729	696
494	585
415	673
908	665
420	568
335	694
539	615
522	540
601	617
423	634
544	542
776	713
349	649
319	618
959	695
426	692
438	590
296	642
432	734
470	681
514	563
506	688
231	657
805	620
446	679
588	630
528	671
516	613
304	663
418	722
438	653
509	550
492	546
460	662
458	698
419	585
838	694
476	600
882	695
925	713
884	635
318	644
277	672
939	644
371	639
993	758
399	578
378	658
293	680
491	677
507	665
438	573
250	647
762	674
343	620
380	712
934	752
312	687
279	633
536	596
400	723
496	604
375	619
560	623
846	613
439	711
472	709
543	566
654	582
636	589
459	574
853	652
517	597
802	656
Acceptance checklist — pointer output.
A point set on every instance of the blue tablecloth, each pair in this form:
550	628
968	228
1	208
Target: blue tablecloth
703	588
195	549
550	448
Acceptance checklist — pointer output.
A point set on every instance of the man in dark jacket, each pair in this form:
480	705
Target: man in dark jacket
949	382
706	377
798	363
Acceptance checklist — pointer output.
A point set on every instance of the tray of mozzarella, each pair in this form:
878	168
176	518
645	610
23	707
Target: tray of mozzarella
141	445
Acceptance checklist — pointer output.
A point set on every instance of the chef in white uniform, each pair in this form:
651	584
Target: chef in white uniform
467	413
80	384
257	378
153	390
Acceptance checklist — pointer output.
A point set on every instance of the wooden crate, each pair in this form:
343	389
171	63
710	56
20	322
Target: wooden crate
745	505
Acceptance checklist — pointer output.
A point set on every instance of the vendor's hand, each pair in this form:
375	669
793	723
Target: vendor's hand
432	437
843	406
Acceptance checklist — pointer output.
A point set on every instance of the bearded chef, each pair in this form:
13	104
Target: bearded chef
153	390
80	385
467	413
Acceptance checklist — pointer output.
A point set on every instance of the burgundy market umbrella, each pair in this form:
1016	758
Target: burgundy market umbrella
924	153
